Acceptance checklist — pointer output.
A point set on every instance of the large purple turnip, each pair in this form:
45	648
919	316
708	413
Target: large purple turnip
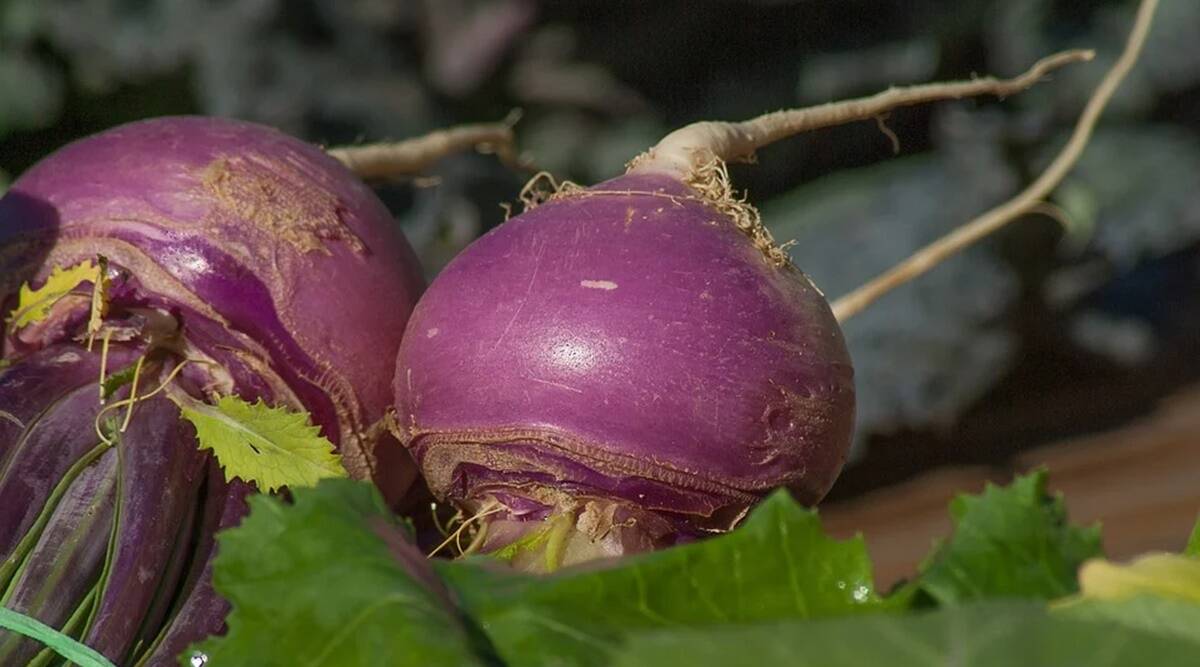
635	364
628	353
237	261
281	265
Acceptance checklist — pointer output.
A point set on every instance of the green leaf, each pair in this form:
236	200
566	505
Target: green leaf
1193	543
1011	541
114	381
33	305
778	565
993	634
330	580
63	645
1148	613
1158	592
270	447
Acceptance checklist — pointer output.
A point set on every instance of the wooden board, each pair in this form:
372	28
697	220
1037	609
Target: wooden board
1142	482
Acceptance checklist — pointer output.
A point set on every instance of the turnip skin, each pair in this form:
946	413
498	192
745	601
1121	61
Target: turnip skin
28	388
624	344
158	489
67	559
203	612
56	439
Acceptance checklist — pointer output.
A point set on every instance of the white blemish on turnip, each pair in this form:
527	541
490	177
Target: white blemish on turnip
431	332
607	285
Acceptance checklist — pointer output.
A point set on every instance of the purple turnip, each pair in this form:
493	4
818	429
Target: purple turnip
629	354
220	258
635	364
264	250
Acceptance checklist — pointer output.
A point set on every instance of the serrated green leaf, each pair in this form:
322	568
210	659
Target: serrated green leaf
33	305
992	634
320	583
1011	541
778	565
271	447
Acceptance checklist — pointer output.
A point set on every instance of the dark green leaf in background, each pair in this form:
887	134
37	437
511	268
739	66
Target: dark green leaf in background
33	92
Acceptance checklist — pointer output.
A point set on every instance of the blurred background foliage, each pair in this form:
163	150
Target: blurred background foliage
1062	324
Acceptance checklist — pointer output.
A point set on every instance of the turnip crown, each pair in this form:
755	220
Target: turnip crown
626	342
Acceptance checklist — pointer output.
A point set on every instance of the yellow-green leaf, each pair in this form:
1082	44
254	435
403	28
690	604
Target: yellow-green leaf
269	446
34	305
1162	574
